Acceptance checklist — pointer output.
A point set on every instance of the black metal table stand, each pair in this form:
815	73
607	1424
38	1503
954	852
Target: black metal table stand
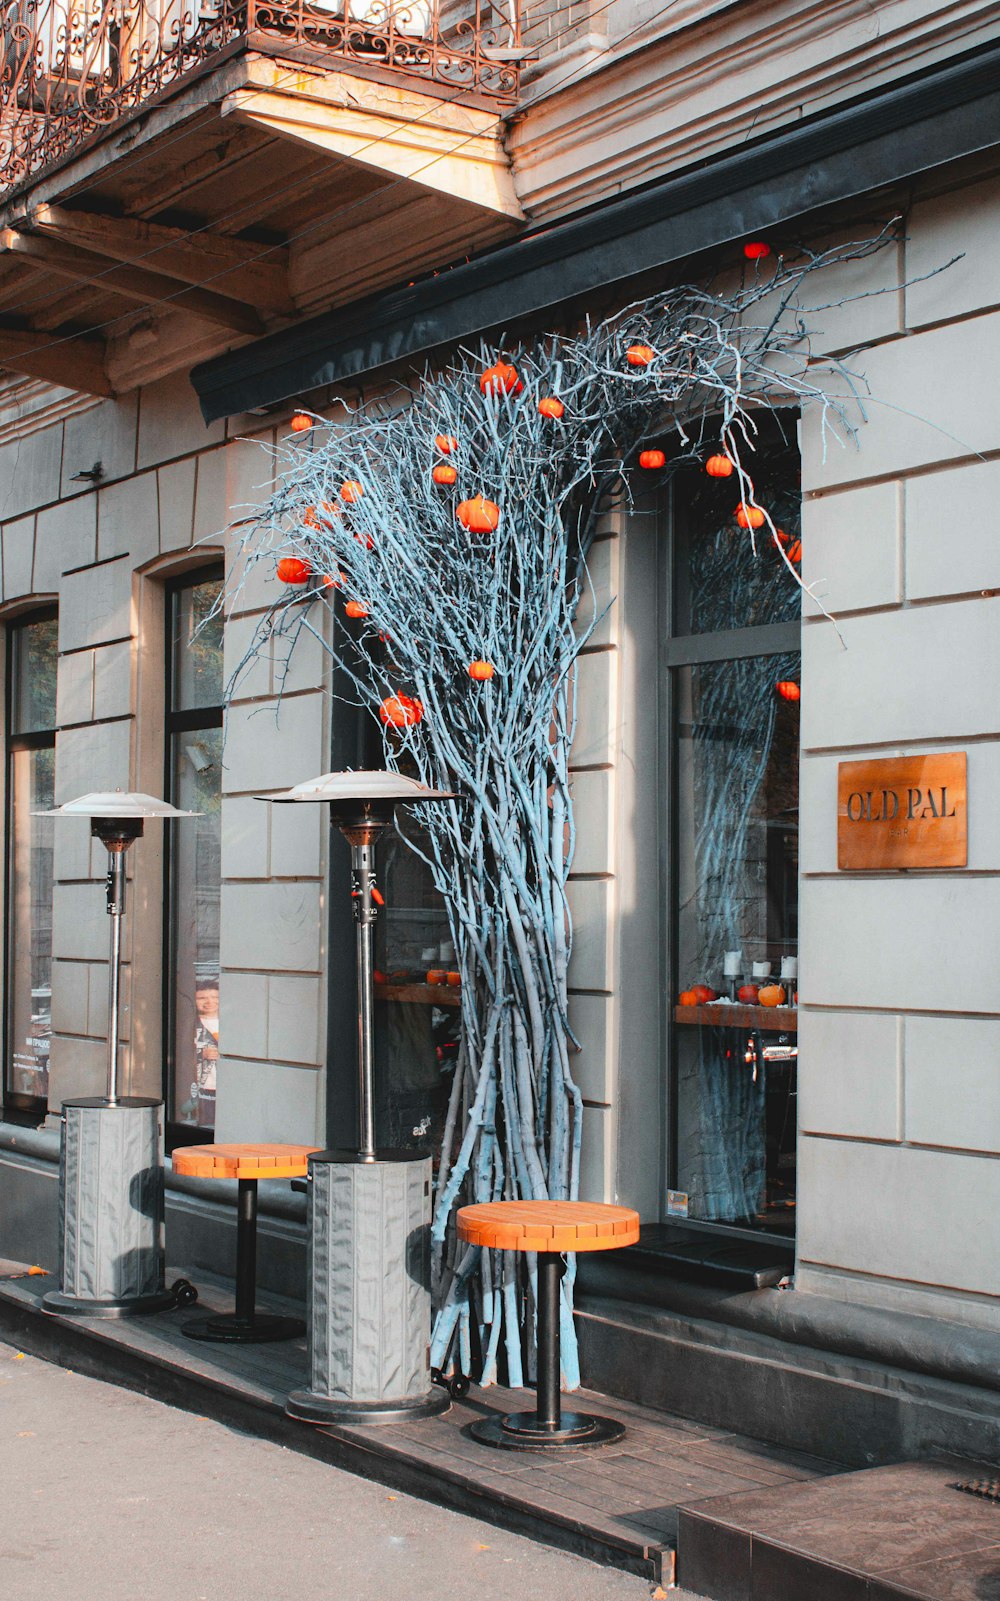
245	1326
548	1427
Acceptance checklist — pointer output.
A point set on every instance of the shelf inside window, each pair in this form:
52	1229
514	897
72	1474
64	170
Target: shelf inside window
773	1019
420	994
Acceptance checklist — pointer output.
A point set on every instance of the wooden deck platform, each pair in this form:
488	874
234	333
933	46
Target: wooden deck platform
617	1505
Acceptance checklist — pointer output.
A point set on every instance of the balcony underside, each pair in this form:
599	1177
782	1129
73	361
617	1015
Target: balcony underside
257	195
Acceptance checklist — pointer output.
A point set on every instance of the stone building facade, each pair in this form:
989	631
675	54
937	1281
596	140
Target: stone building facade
896	1267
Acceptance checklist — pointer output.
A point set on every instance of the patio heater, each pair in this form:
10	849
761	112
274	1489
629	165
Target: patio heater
369	1209
111	1191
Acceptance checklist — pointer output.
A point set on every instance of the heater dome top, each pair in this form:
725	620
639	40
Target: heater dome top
361	786
115	803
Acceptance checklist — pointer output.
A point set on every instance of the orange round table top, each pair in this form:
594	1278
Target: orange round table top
243	1161
548	1225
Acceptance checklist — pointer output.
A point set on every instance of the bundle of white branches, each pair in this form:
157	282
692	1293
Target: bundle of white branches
359	508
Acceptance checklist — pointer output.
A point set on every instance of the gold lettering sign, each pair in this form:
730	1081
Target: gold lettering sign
907	811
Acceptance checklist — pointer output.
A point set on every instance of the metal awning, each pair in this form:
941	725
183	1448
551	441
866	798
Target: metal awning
937	116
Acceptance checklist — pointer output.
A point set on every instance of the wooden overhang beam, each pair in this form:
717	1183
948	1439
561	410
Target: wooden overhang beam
134	283
71	362
249	273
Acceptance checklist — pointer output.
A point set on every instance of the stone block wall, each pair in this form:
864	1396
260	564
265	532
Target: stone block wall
169	487
899	1078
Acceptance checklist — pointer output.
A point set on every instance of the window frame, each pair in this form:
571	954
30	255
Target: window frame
17	1106
177	722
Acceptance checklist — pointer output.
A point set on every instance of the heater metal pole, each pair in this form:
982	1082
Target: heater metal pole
365	912
116	910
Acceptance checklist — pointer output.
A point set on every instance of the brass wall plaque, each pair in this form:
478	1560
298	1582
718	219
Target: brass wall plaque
906	811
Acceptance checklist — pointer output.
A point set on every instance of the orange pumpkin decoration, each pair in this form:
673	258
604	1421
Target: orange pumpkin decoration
687	998
445	443
312	519
300	423
639	355
399	711
436	975
500	379
481	671
756	249
453	979
702	994
788	689
351	491
356	609
443	474
652	459
329	582
479	516
549	406
293	570
795	551
771	995
749	516
719	466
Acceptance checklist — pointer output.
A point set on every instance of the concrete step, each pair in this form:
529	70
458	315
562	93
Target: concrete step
903	1533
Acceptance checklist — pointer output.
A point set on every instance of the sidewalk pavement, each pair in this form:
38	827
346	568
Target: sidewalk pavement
110	1496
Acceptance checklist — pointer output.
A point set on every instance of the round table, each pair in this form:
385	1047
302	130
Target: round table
551	1228
246	1164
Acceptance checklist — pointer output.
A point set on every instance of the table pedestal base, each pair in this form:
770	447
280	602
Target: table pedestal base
521	1431
227	1328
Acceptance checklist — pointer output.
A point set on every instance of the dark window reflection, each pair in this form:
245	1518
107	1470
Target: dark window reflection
194	760
417	1021
32	663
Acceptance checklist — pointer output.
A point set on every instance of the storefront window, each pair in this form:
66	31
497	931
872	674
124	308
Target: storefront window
194	782
418	1025
736	752
32	645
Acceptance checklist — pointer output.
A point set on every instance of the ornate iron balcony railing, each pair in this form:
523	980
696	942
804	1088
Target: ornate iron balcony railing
71	69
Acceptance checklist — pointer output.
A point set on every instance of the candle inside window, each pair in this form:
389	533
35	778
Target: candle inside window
732	964
790	967
761	969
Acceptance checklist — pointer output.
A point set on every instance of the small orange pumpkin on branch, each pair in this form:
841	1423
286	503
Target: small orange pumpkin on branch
500	379
478	516
400	711
294	570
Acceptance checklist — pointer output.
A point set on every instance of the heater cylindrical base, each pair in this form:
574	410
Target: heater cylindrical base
369	1290
111	1197
82	1306
310	1408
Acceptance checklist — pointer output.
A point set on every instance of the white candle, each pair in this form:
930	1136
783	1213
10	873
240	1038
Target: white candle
790	967
761	969
731	964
